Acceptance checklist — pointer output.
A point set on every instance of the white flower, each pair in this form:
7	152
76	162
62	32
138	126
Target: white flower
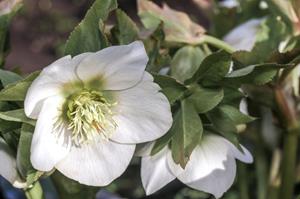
8	166
229	3
243	37
211	167
91	110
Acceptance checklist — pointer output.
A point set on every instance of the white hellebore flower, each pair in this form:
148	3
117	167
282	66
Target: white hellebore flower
243	37
8	166
92	110
211	167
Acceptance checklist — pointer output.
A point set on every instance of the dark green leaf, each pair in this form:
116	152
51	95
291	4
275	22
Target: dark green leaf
235	115
125	30
88	36
213	68
223	125
188	130
205	99
170	87
162	142
232	96
186	62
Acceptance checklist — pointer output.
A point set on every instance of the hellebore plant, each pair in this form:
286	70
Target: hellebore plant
92	110
116	89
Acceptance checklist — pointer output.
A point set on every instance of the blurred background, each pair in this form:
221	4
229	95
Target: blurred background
39	31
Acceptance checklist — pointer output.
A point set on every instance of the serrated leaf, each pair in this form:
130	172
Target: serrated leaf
170	87
186	62
17	91
235	115
205	99
125	30
188	131
87	36
178	27
213	68
17	116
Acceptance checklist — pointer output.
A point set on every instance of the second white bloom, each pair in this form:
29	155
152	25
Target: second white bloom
211	167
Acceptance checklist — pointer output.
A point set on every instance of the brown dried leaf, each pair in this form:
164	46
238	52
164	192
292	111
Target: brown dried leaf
178	27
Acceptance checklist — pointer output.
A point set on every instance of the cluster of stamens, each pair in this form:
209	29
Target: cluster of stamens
89	116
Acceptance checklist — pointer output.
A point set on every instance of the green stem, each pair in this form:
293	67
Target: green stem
36	192
289	163
261	169
243	181
216	43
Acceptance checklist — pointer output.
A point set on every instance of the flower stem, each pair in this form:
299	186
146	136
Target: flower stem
35	192
243	181
289	163
206	39
290	120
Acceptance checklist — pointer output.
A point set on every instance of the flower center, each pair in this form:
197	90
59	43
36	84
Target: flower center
89	116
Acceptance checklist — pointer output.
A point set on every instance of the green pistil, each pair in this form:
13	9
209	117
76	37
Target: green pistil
89	116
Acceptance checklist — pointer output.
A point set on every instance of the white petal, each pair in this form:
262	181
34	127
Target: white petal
119	67
243	37
155	172
207	157
142	113
229	3
96	164
245	157
46	147
8	166
217	182
50	82
142	150
244	106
